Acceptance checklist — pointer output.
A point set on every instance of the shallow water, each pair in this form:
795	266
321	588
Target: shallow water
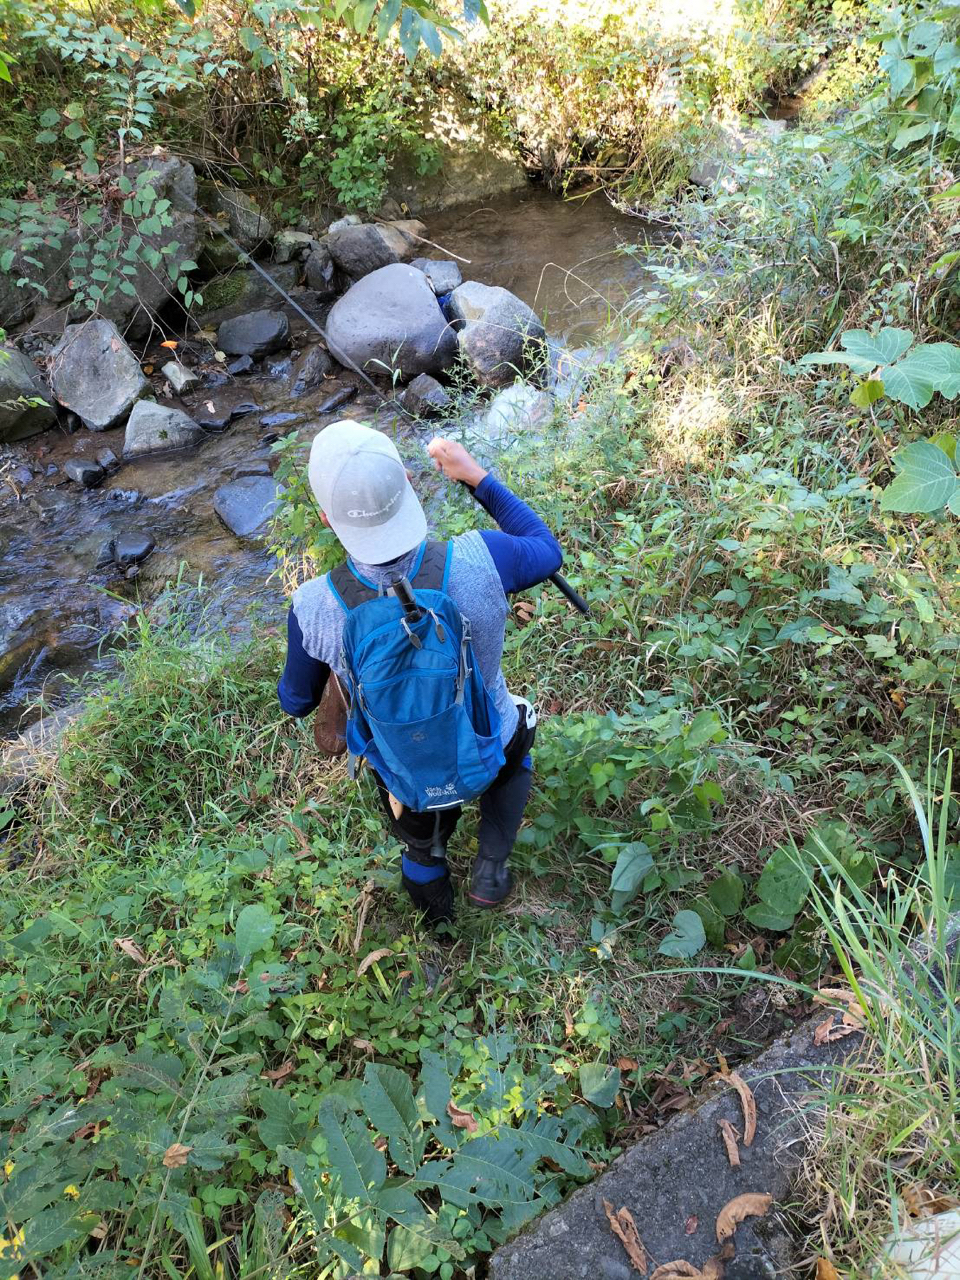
561	258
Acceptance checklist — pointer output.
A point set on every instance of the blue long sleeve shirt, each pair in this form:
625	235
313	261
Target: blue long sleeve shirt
523	550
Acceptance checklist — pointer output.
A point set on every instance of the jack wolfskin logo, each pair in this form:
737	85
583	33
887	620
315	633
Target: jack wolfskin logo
434	792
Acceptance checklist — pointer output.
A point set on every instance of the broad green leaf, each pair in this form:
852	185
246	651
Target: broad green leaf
633	863
351	1154
761	916
953	506
705	727
495	1168
74	110
911	133
867	393
5	72
726	893
599	1083
391	1108
856	363
714	925
545	1143
927	480
254	930
877	348
279	1126
784	883
686	938
948	443
435	1081
387	18
363	15
49	118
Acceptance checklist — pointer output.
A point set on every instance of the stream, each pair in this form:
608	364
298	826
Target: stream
58	610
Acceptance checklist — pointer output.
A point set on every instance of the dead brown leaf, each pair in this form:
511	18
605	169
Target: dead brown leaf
524	611
826	1032
364	1046
627	1064
625	1229
280	1073
724	1068
380	954
748	1103
713	1268
670	1270
130	948
731	1142
920	1201
175	1156
826	1270
752	1204
690	1225
461	1119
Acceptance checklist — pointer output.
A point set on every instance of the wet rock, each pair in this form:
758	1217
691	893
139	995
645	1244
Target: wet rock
155	428
279	368
242	364
107	459
278	419
390	319
254	335
84	471
20	381
289	246
21	476
170	177
245	290
310	370
336	400
94	373
498	335
246	505
180	378
71	423
259	467
425	397
132	548
246	222
321	273
358	250
241	410
444	276
52	469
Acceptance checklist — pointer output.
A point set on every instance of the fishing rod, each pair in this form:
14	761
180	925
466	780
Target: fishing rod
558	580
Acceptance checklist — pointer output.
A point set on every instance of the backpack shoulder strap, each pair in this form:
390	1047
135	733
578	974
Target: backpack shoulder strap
348	589
434	567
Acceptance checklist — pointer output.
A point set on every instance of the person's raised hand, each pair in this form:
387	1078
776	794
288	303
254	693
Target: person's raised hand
454	461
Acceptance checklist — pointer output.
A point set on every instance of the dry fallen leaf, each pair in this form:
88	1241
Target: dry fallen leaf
627	1064
170	344
748	1103
724	1069
920	1201
625	1229
461	1119
364	1046
691	1225
130	948
753	1204
372	958
524	610
175	1156
730	1141
713	1268
826	1270
148	368
220	357
670	1270
280	1073
826	1032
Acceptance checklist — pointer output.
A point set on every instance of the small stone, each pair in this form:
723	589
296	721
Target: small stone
181	379
337	399
348	220
132	572
498	334
321	272
21	476
242	364
107	459
425	396
288	245
52	469
105	558
246	505
311	369
131	548
84	471
257	334
278	419
155	428
444	276
259	467
241	410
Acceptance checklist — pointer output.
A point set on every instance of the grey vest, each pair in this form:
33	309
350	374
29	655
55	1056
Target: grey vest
474	586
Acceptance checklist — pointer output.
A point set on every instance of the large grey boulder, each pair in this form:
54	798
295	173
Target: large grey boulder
247	505
444	275
289	246
94	373
358	250
245	220
156	428
391	320
170	178
19	382
256	335
513	414
426	397
498	334
43	264
321	272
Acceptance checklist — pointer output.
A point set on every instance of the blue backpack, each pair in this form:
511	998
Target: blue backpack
419	710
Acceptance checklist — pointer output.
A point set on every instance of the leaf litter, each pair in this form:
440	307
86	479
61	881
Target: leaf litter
625	1229
752	1204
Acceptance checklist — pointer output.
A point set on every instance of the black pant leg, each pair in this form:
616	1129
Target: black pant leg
502	805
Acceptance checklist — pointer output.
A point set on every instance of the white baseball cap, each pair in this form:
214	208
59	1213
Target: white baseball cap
361	485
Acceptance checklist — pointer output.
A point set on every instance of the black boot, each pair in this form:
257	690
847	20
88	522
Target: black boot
490	882
434	899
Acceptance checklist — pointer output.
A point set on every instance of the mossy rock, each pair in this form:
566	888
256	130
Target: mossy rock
245	290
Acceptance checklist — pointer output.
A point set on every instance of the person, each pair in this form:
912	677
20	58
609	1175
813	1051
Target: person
366	497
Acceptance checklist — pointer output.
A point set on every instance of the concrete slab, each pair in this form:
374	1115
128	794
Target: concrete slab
676	1181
